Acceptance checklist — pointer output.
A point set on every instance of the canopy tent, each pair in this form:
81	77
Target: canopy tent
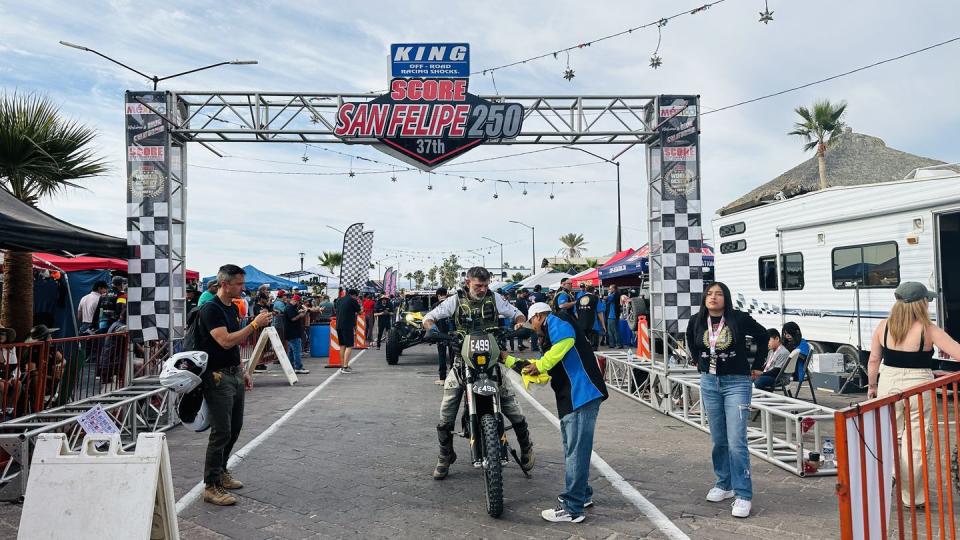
26	228
636	264
256	277
544	278
74	264
590	276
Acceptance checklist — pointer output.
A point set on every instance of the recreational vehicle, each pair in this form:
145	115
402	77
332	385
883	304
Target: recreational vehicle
840	253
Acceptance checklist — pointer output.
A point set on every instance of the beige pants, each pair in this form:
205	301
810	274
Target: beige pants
893	380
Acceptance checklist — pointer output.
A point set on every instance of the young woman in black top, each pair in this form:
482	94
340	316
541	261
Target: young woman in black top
904	342
717	340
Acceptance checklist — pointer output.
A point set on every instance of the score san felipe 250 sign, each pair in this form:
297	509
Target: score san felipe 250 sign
428	117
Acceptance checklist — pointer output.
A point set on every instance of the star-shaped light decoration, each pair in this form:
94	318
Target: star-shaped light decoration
314	119
766	15
305	158
393	178
352	174
656	61
568	74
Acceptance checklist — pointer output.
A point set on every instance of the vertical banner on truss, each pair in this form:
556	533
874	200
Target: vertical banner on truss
676	245
156	206
357	250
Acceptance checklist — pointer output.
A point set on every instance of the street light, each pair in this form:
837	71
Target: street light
501	253
483	258
155	78
533	251
301	260
617	163
336	229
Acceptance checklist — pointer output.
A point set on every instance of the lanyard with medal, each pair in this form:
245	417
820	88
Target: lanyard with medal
712	336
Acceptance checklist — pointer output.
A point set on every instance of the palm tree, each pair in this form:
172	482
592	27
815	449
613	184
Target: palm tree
573	245
409	277
41	154
819	128
331	260
517	277
419	277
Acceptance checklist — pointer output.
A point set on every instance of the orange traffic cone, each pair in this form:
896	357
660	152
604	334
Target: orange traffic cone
643	338
360	333
333	361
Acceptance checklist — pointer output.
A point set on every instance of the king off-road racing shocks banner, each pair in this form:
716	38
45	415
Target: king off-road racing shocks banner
155	220
677	236
428	117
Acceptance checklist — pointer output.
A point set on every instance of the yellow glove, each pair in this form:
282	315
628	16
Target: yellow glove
542	378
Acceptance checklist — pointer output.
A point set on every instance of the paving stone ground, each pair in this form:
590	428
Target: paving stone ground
355	462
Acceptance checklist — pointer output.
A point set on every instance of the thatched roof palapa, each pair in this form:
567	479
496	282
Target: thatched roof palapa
852	159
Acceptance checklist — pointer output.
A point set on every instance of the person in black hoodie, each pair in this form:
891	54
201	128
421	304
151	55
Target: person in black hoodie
717	340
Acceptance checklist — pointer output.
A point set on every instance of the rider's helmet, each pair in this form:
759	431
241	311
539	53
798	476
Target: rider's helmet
193	412
181	372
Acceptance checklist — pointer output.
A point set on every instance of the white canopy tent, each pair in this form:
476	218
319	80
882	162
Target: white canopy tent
545	278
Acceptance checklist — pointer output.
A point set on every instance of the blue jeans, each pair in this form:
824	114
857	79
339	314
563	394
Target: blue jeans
576	428
613	334
765	382
726	399
295	352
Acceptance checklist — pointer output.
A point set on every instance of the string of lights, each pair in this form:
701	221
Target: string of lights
569	73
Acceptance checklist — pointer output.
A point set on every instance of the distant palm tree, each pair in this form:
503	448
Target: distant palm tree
409	277
41	154
592	263
573	245
819	128
418	278
331	260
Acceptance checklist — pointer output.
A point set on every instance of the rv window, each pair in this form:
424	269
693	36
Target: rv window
873	266
733	228
733	247
791	268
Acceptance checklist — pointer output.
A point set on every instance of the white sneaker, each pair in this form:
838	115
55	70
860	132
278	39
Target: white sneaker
717	495
741	508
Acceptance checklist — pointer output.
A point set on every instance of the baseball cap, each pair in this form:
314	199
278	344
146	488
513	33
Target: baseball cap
296	298
537	308
281	293
912	291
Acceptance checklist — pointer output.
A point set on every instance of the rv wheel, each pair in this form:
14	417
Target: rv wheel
817	347
850	355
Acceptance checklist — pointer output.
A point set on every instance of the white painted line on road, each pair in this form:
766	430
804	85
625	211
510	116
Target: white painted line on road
238	456
658	518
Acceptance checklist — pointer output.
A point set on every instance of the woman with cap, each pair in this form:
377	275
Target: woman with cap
901	356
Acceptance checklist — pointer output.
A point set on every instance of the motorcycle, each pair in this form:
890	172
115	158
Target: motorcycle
477	361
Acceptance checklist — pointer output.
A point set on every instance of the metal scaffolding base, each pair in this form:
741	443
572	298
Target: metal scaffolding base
144	406
788	428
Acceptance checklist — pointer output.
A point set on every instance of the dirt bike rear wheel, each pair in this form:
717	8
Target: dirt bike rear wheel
493	467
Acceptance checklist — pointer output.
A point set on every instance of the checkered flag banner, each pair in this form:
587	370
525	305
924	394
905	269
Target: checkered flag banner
678	236
357	249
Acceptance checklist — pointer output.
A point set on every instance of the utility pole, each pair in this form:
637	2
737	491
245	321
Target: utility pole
617	163
501	253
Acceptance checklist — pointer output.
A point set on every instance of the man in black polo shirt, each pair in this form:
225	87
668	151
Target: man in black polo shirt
348	307
224	381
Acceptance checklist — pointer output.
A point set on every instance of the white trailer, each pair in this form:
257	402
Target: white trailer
840	253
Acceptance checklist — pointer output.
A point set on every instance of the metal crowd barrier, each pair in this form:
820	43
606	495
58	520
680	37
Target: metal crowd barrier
41	375
788	429
144	406
919	429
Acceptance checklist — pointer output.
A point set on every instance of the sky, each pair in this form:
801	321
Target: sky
723	54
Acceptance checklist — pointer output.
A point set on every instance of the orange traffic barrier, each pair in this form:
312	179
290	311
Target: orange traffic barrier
643	338
360	333
890	451
333	361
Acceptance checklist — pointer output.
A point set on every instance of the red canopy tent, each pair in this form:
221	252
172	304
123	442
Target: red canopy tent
73	264
592	276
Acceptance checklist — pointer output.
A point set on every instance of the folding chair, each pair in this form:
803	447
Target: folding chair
786	374
804	376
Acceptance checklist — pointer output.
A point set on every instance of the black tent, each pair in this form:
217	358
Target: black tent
25	228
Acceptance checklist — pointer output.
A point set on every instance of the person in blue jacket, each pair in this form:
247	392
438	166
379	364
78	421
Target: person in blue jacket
578	384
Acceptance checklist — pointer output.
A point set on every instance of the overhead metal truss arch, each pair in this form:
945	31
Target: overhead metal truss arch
298	117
